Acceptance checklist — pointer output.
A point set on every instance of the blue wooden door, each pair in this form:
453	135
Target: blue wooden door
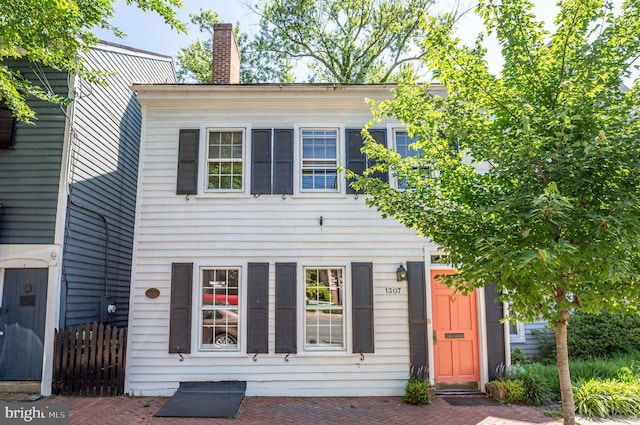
22	324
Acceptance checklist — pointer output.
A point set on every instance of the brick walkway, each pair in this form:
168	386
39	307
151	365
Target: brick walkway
308	411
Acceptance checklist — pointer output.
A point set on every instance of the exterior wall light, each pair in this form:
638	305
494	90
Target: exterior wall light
401	273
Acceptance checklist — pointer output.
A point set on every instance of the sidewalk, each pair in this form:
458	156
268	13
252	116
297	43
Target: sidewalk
313	411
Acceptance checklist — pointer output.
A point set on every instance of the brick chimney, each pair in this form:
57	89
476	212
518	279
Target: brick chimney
226	56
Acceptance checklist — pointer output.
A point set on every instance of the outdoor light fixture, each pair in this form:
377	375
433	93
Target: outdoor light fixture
401	273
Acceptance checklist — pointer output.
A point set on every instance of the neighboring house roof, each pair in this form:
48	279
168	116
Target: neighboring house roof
141	54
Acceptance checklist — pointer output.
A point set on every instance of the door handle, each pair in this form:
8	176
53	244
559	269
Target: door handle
435	337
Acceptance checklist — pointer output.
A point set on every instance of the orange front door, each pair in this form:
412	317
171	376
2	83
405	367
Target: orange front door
455	323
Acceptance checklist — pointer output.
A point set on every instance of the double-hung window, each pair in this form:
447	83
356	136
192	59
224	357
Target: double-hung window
319	160
324	326
225	160
404	147
220	308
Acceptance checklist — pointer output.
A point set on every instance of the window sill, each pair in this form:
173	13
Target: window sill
324	353
302	195
204	352
219	195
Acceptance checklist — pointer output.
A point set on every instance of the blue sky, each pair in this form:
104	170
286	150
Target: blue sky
147	31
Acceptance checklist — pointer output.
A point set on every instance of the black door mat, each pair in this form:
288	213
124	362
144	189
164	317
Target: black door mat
205	400
470	401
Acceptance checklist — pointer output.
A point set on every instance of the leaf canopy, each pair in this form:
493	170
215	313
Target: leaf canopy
542	193
344	41
54	33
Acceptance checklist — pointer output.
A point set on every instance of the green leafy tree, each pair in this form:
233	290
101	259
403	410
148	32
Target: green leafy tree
256	65
344	41
53	33
529	179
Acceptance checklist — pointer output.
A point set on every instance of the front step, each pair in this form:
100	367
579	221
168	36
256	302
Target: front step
23	387
458	392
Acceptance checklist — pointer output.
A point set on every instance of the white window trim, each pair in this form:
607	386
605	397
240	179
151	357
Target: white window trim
346	310
196	316
297	156
203	153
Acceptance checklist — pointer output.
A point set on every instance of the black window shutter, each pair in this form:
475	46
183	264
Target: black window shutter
356	160
283	164
362	293
379	136
180	310
286	308
188	162
417	314
495	329
258	308
261	161
7	126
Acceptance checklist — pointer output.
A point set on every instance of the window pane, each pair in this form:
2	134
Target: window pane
225	151
324	324
225	160
319	144
324	329
404	148
321	179
220	311
403	142
214	182
319	159
513	328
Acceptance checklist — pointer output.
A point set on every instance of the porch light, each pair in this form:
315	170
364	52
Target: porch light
401	273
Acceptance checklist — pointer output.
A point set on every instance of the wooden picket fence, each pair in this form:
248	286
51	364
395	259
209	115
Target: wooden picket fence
89	360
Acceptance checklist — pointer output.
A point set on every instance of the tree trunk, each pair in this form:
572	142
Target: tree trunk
566	390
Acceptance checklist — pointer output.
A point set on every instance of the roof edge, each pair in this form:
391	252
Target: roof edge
111	46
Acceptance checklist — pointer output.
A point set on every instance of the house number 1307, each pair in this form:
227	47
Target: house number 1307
391	290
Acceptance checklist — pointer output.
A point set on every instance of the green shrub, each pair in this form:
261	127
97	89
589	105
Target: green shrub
514	391
546	373
624	368
627	374
607	398
546	352
589	336
537	391
518	357
417	391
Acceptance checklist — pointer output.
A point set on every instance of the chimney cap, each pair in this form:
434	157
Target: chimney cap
223	26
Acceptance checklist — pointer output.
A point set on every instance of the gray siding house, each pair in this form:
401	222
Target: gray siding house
67	206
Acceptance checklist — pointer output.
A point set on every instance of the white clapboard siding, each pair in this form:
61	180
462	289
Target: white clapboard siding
236	229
